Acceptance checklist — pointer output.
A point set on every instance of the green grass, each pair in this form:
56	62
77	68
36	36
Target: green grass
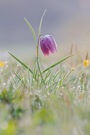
59	105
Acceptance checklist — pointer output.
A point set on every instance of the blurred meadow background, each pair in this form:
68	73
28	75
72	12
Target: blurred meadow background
45	95
67	20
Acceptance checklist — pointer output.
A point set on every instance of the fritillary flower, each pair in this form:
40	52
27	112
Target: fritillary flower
48	44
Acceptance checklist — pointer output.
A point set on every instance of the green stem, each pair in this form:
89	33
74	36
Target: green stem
37	54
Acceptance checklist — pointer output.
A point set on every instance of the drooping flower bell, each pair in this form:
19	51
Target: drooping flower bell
47	44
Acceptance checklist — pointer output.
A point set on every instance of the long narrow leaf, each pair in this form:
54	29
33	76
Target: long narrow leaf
40	25
31	29
25	66
57	63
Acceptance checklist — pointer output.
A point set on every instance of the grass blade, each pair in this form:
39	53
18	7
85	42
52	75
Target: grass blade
40	25
57	63
20	79
24	65
31	29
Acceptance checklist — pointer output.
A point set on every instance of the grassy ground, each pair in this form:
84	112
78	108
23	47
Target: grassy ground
54	102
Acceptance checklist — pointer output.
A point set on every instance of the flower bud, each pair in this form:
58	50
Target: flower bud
47	44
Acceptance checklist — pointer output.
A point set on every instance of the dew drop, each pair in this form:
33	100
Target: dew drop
6	66
4	84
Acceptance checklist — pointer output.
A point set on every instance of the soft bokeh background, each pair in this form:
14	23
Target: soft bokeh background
67	20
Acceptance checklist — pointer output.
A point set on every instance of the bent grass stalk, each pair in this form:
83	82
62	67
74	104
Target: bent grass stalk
31	29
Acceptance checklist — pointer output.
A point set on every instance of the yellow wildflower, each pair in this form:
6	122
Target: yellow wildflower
2	64
86	63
